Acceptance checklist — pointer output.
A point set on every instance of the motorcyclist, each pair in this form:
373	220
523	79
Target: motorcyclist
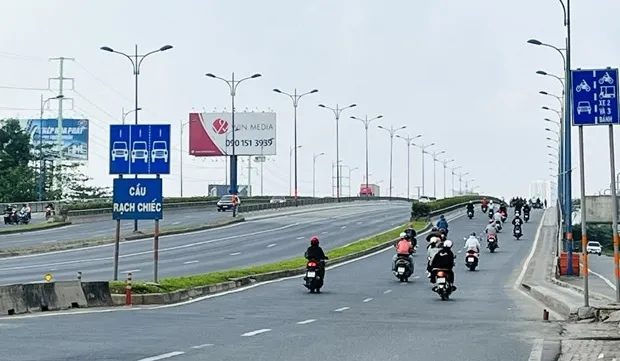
433	233
526	208
470	207
403	248
472	243
484	202
411	233
442	223
497	217
491	230
444	234
444	260
434	245
517	221
315	253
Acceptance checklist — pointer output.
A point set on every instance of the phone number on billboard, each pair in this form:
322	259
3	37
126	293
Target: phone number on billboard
250	142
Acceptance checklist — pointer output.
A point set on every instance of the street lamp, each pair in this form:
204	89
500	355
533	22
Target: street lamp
552	131
125	114
553	155
553	140
43	104
558	98
409	141
295	98
232	86
560	79
461	175
453	174
391	130
136	62
337	111
314	157
559	113
445	163
366	121
435	154
290	168
553	121
423	147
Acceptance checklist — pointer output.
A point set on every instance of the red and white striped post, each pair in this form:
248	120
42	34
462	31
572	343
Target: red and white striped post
128	290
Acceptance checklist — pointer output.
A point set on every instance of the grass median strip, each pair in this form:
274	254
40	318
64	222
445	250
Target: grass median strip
83	243
207	279
11	229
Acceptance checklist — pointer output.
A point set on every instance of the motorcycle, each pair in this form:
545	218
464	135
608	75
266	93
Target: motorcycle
491	243
483	209
471	259
313	280
491	213
504	217
526	217
49	213
517	233
442	285
498	226
404	269
470	214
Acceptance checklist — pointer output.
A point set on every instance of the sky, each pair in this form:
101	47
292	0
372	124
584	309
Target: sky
460	73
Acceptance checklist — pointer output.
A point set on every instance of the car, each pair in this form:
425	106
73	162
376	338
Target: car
139	151
119	150
584	107
160	151
277	199
594	247
225	203
424	199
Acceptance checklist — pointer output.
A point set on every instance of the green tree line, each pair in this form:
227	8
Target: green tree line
29	173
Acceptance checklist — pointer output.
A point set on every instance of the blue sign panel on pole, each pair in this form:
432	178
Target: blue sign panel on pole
140	198
140	149
595	99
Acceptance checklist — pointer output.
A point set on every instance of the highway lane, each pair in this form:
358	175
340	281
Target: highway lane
602	275
246	244
363	314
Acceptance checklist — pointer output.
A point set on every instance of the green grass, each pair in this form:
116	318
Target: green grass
207	279
8	229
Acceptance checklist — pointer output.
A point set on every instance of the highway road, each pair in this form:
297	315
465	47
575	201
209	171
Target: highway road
363	314
602	279
241	245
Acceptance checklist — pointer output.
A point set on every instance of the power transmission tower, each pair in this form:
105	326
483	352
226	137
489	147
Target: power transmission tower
61	98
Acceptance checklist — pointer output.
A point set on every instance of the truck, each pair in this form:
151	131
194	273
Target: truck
371	191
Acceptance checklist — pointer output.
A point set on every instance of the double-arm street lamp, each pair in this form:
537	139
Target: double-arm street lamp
435	154
366	121
391	131
409	141
423	148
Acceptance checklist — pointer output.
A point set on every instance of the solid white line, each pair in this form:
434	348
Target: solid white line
367	299
343	227
163	356
341	309
175	223
257	332
271	245
603	278
300	237
190	262
386	292
537	350
202	346
526	264
324	232
305	322
45	242
131	271
235	254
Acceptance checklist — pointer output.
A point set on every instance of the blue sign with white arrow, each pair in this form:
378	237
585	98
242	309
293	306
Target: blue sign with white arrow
140	149
595	93
140	198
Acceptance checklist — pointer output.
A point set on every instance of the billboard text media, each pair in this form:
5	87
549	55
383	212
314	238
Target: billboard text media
44	132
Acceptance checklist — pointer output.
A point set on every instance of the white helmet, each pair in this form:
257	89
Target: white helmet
434	240
447	244
403	234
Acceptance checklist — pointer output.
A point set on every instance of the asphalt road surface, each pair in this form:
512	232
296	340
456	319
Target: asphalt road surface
241	245
363	314
602	279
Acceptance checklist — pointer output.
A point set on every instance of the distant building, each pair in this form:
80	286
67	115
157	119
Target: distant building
542	189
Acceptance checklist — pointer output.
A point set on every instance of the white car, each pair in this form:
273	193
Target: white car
277	200
594	247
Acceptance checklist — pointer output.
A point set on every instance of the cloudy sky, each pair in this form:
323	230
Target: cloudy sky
458	72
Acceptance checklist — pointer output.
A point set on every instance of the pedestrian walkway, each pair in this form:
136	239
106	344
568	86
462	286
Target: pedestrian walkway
602	348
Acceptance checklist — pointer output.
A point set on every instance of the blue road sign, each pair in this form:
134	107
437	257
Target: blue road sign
595	99
140	198
140	149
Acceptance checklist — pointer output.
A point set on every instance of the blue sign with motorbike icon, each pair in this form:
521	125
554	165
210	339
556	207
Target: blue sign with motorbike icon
595	93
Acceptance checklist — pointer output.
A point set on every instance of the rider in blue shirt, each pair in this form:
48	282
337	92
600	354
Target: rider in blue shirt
442	223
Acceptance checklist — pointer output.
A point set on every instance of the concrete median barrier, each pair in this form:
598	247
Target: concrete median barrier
97	294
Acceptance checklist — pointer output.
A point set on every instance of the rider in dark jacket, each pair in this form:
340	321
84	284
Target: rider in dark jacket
470	207
315	253
433	233
411	233
444	259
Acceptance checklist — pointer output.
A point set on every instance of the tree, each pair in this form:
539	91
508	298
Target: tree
18	178
75	183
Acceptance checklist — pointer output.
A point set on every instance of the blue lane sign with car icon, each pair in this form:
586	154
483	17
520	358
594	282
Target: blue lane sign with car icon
594	94
140	149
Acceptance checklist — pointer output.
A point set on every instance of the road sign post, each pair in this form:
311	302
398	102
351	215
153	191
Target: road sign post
139	149
595	102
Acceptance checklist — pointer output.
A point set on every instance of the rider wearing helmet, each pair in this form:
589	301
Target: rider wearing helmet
433	233
470	207
315	253
442	223
491	230
403	248
434	245
472	243
411	233
444	233
444	260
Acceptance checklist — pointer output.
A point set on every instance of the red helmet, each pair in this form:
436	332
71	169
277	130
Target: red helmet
314	240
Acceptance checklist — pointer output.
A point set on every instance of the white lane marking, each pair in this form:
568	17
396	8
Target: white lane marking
257	332
235	254
324	232
358	223
367	299
54	241
190	262
272	245
416	277
603	278
526	264
131	271
300	237
386	292
305	322
601	355
537	350
341	309
175	223
202	346
459	251
163	356
343	227
53	269
246	288
188	245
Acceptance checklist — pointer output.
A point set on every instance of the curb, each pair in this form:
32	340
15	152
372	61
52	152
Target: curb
62	246
188	294
595	295
52	225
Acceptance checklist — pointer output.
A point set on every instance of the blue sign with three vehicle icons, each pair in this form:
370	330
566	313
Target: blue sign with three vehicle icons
140	149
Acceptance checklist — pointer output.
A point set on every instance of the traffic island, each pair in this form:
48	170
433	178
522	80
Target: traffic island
61	246
12	229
